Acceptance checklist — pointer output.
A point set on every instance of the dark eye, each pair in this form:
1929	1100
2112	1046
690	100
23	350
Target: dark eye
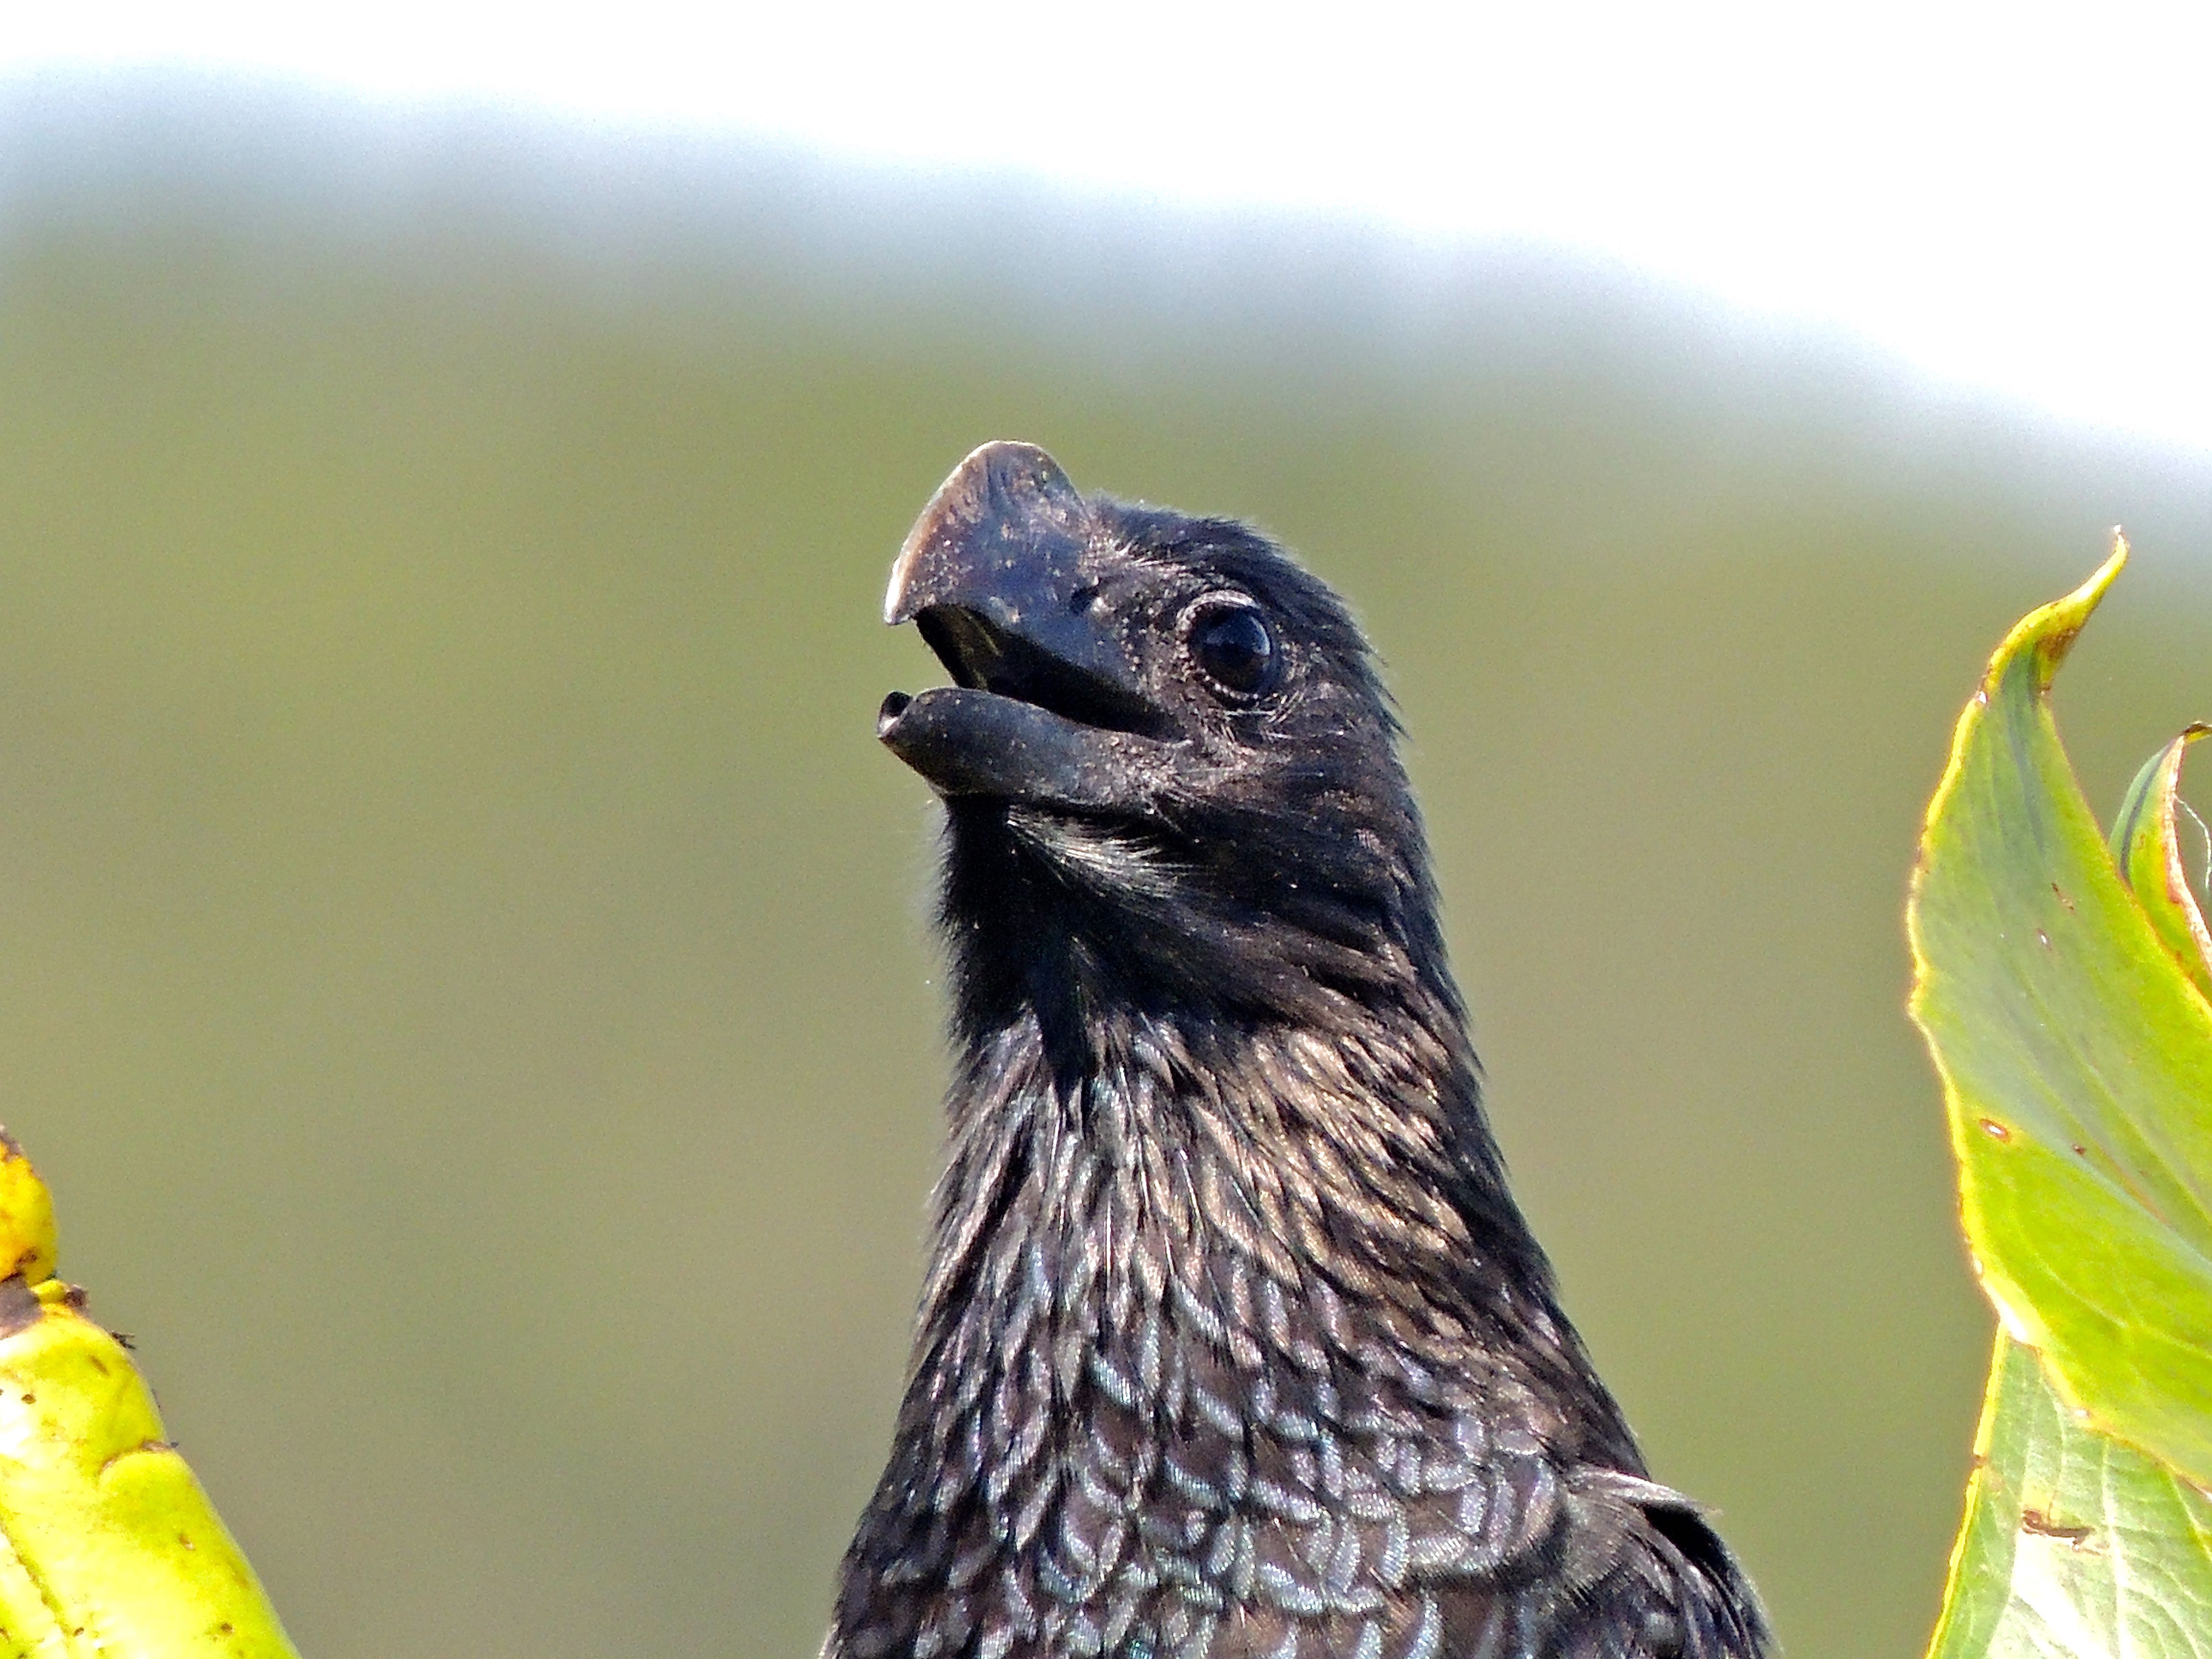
1232	647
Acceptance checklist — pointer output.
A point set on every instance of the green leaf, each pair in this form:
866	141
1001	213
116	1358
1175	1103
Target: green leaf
2147	847
2073	1543
2060	987
2076	1062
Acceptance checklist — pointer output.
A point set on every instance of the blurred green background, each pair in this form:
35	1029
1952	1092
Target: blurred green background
463	958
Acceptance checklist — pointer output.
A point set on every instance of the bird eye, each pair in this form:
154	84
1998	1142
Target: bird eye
1232	647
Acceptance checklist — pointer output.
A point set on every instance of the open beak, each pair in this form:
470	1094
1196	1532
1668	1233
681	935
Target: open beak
999	575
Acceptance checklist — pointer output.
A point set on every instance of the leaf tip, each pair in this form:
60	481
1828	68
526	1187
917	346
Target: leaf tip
27	1215
2145	844
2050	631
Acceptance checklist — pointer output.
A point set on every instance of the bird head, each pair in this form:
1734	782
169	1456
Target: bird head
1169	765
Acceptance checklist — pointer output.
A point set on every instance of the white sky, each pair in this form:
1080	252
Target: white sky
2015	196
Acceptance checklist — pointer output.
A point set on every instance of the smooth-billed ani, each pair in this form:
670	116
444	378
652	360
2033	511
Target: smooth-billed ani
1233	1341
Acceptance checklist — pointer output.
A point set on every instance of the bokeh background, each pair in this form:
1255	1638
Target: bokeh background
464	961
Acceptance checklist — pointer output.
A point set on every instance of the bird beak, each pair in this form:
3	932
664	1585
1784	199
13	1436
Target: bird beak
998	574
1000	554
1008	507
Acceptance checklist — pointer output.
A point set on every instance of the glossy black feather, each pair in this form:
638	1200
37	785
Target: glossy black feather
1234	1341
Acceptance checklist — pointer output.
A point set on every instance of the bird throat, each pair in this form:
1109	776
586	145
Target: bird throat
1179	1168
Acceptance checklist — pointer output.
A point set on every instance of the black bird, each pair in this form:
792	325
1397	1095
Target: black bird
1233	1341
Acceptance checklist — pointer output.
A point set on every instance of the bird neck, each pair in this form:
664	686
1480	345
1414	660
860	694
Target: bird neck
1210	1270
1235	1192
